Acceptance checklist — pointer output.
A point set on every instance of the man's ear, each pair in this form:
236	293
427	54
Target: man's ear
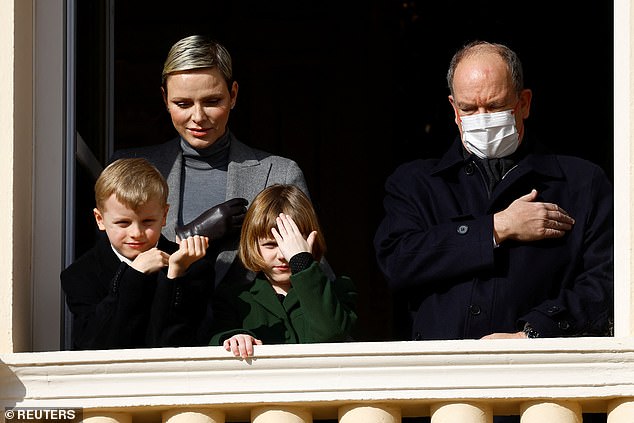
456	117
525	102
99	219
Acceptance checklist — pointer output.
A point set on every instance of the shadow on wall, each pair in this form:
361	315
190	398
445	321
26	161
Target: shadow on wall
12	391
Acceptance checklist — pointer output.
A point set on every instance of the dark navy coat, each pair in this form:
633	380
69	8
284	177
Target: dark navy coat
115	306
435	246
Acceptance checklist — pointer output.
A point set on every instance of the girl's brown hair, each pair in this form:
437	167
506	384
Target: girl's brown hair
260	219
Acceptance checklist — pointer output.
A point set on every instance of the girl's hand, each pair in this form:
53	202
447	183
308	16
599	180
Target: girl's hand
241	345
289	239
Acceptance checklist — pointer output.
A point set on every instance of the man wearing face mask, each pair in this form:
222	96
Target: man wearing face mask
496	240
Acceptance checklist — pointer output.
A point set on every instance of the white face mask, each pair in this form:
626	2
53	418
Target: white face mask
490	135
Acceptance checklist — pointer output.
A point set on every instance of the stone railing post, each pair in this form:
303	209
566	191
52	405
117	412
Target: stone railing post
184	415
107	418
281	414
461	412
355	413
621	410
551	412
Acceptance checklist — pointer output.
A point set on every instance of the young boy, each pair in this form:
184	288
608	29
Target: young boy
135	288
291	301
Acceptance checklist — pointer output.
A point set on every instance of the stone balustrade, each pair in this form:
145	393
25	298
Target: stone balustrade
553	380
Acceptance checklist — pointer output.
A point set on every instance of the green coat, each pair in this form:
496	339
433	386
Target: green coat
314	310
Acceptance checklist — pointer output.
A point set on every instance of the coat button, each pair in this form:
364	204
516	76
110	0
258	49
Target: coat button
553	309
468	169
475	309
462	229
563	325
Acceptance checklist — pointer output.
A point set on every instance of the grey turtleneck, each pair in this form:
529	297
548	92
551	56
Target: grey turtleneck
204	178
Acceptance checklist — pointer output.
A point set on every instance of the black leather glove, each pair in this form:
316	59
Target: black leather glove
216	222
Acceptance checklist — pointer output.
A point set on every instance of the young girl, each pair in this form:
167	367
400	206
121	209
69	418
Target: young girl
291	300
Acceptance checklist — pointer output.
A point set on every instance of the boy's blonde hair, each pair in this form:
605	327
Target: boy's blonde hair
260	219
133	181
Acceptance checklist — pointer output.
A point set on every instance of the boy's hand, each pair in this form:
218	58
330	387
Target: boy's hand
191	249
150	261
289	239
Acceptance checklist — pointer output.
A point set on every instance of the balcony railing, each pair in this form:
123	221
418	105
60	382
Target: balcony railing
544	380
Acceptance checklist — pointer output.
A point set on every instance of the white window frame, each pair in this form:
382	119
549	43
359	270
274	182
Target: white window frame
52	178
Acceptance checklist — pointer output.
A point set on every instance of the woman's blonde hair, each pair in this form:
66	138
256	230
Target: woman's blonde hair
197	52
134	182
260	219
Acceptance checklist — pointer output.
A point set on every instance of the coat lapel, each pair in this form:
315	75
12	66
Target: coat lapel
174	198
291	301
264	295
246	177
109	262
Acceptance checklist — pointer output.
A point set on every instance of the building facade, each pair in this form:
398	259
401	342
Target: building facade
553	380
